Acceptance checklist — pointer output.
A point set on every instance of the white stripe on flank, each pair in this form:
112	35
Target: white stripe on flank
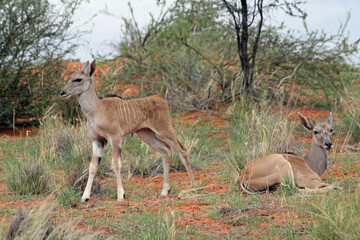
128	117
121	111
133	110
125	113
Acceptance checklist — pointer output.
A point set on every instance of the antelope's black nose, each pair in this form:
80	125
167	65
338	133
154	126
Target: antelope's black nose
62	93
328	145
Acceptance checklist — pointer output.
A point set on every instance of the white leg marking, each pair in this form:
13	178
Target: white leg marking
97	150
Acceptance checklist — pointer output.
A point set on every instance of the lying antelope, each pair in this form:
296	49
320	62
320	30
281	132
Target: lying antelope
109	120
268	172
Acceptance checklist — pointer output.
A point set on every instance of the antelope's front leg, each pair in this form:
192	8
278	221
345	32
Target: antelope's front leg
98	148
116	159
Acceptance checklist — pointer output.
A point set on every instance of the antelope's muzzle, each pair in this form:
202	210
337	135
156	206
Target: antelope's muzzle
328	145
64	95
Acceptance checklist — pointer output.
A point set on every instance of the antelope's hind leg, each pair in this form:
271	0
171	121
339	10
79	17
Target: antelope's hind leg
149	137
116	160
98	148
171	140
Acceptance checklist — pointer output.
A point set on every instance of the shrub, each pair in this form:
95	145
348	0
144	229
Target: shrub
34	35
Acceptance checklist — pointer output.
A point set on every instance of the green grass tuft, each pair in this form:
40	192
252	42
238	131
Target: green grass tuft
336	217
69	198
27	178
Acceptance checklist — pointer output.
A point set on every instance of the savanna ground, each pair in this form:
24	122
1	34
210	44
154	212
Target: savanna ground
60	153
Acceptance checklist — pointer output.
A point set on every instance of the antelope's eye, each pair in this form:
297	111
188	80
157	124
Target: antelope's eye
77	80
331	130
316	132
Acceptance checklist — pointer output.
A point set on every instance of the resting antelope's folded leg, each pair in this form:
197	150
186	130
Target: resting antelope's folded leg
260	184
259	175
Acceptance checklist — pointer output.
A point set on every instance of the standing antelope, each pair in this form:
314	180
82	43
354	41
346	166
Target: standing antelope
111	119
268	172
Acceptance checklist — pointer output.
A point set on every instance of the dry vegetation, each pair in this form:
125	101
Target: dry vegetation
190	58
218	147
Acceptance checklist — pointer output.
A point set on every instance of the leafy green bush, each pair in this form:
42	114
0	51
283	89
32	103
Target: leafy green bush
34	36
315	60
183	55
189	55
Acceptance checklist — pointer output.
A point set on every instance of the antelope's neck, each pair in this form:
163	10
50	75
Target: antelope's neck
317	158
89	101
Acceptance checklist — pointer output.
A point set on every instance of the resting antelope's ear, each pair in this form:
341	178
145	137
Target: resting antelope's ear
329	119
85	68
92	67
305	122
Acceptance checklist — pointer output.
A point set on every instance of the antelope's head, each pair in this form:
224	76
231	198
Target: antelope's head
79	82
321	132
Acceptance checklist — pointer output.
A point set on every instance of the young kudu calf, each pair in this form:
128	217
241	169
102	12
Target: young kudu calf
268	172
111	119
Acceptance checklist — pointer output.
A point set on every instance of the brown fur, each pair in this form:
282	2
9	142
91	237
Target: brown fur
269	171
111	119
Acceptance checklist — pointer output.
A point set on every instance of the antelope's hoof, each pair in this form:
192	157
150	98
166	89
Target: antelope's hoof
120	199
83	200
165	192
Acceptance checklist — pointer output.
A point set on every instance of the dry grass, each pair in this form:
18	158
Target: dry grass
258	133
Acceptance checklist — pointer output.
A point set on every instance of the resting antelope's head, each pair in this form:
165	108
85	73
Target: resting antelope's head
79	82
321	132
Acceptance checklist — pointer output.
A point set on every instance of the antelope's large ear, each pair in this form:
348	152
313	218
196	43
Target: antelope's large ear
329	119
92	67
85	68
305	122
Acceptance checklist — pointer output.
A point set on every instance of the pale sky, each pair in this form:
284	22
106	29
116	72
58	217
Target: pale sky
326	15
